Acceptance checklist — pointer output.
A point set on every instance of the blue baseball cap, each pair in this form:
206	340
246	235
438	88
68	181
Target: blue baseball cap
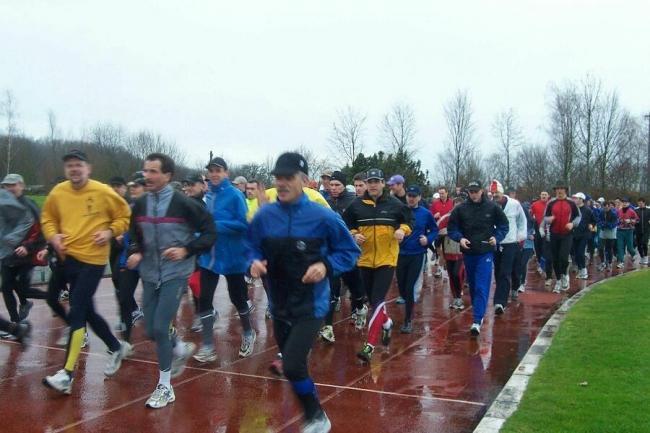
413	190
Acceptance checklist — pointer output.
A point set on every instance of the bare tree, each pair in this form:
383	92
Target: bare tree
564	118
347	135
508	134
11	130
144	142
460	135
316	163
589	107
613	122
398	128
534	170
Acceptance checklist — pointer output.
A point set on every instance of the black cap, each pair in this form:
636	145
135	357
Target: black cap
75	154
337	175
116	181
289	164
474	185
193	178
374	173
413	190
218	162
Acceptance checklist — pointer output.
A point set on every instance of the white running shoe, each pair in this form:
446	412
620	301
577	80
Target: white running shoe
522	288
327	333
247	344
582	274
620	266
178	362
205	354
475	329
558	287
60	381
161	397
362	315
115	360
565	282
320	424
548	282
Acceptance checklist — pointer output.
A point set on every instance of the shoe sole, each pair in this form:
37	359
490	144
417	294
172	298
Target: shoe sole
206	359
474	332
67	391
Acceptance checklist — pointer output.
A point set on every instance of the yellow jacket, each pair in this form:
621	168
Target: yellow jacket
377	221
79	214
312	195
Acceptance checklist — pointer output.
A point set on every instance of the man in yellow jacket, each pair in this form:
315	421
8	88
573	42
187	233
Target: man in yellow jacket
79	218
378	222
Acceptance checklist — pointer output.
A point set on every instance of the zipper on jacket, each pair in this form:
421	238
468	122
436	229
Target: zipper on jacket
155	228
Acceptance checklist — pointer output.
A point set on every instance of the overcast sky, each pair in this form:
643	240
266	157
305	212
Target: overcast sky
252	78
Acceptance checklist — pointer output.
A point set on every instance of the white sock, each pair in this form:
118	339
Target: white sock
387	324
165	378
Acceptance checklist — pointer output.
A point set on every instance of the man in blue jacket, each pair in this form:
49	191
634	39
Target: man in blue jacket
300	246
478	225
227	257
412	252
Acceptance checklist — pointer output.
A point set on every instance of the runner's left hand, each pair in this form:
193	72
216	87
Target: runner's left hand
315	273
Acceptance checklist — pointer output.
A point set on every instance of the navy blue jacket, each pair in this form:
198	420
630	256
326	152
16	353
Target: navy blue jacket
478	222
291	237
424	224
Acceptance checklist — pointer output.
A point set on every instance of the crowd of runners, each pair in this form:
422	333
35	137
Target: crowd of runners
303	242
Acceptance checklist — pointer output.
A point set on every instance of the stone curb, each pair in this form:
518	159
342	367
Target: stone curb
510	396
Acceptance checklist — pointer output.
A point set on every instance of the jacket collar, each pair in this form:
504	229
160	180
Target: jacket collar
296	204
225	183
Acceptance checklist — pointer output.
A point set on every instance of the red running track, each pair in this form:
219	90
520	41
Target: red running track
436	379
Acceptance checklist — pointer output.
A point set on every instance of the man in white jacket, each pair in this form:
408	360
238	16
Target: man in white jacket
508	250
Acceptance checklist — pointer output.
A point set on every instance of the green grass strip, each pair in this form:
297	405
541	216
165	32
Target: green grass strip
595	377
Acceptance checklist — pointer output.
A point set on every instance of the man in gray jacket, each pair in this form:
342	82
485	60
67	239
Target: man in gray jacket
15	222
167	229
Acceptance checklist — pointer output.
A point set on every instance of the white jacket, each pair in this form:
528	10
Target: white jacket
518	226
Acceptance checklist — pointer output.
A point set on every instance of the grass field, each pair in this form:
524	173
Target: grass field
595	377
39	199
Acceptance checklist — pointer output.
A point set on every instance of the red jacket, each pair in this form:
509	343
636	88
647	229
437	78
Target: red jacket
441	207
537	210
628	214
565	211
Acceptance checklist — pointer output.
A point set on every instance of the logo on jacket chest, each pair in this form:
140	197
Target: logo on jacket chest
301	246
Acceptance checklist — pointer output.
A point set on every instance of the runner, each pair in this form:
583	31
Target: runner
167	229
298	244
360	186
627	220
17	267
227	257
478	225
453	260
397	188
379	222
506	258
608	224
581	235
441	205
642	229
561	216
15	222
412	253
544	266
79	219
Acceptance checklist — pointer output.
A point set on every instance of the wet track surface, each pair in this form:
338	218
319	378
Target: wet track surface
436	379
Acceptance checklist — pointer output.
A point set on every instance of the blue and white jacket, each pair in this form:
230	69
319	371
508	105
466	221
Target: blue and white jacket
291	237
228	208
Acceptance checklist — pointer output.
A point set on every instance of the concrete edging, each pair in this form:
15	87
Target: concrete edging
510	396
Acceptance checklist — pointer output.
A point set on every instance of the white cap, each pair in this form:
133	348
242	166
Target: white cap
601	200
580	195
436	196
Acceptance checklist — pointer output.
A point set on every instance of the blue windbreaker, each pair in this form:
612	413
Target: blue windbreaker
423	224
228	208
292	237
